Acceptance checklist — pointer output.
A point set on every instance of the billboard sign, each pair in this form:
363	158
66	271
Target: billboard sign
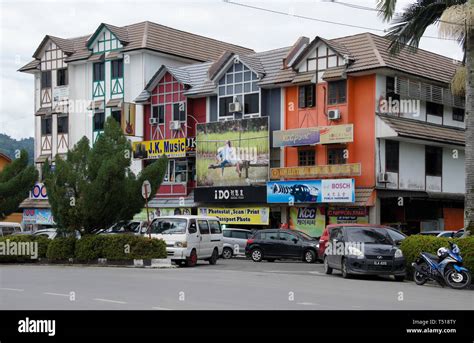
333	170
238	216
233	194
311	191
311	220
314	135
233	152
172	148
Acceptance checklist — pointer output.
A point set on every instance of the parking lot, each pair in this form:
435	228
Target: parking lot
234	284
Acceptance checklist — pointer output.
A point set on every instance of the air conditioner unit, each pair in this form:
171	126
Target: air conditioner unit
235	107
175	125
382	178
334	115
153	121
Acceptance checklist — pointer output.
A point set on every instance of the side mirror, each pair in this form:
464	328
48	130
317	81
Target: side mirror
295	240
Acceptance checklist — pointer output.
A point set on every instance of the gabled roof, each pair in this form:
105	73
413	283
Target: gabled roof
65	45
120	32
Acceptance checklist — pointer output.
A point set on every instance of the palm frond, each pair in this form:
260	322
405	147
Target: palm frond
453	22
386	9
458	83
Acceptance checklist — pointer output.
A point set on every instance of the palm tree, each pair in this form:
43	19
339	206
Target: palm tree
456	20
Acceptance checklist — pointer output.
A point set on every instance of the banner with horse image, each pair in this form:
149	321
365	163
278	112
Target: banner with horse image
233	152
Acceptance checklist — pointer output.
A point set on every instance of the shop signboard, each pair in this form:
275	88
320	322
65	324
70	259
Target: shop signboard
233	152
348	215
38	192
311	220
172	148
38	216
231	194
311	191
162	212
334	170
237	215
314	135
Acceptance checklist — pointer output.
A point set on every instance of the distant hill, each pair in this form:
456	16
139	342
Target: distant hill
9	145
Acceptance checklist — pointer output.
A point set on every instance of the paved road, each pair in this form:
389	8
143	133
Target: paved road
231	284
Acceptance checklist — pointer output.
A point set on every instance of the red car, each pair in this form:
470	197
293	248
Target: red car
323	240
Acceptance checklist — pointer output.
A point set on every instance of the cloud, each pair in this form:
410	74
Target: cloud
24	24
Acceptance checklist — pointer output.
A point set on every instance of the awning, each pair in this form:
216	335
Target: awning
34	203
306	77
43	111
96	105
61	108
422	195
114	103
43	158
113	55
363	197
336	73
173	202
96	57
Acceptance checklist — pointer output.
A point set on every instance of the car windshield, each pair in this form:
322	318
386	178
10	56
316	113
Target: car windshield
169	226
368	235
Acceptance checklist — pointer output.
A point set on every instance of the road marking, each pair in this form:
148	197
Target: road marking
12	289
57	294
308	304
318	273
110	301
161	308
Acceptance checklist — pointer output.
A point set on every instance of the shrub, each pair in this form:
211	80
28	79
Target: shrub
61	248
146	248
90	247
412	247
42	246
126	247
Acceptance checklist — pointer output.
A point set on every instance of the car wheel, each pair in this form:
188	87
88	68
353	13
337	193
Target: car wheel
227	253
191	261
327	269
257	255
345	273
309	256
399	278
213	259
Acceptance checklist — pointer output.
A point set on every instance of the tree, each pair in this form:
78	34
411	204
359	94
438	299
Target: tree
456	20
16	180
94	187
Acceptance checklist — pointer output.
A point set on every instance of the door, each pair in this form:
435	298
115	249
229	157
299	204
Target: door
205	239
290	245
269	243
216	236
193	237
239	240
334	246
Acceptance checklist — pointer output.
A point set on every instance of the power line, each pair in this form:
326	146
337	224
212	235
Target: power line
318	19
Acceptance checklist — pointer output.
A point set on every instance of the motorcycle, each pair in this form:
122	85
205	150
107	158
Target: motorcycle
445	268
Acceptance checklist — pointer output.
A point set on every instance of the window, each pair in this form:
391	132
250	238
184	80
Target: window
434	109
251	103
46	125
179	111
458	114
158	112
61	76
224	106
239	234
46	79
285	236
433	161
337	92
269	235
336	155
117	115
215	227
390	89
99	120
203	227
227	233
177	171
99	71
63	123
391	156
192	226
306	157
117	69
306	96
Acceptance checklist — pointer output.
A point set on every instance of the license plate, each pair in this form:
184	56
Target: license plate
380	263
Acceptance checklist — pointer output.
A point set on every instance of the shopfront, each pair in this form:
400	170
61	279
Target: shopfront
36	209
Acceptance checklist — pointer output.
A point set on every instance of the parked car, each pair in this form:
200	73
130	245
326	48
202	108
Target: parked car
430	233
459	233
8	228
363	249
396	234
189	238
53	233
276	244
446	234
234	241
132	227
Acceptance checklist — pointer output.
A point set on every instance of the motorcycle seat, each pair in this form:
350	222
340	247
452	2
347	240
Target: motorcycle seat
431	256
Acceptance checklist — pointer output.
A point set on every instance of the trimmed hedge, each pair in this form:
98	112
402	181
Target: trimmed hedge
412	246
119	247
61	248
42	246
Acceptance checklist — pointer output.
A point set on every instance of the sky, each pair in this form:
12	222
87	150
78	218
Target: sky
23	24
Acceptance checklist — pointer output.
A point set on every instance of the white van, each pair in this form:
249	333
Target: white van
8	228
189	238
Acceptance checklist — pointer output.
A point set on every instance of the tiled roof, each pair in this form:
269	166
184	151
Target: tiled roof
417	129
32	65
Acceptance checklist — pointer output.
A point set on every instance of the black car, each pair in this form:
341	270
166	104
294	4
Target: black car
275	244
364	250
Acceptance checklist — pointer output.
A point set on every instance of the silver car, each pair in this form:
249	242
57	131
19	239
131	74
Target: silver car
235	241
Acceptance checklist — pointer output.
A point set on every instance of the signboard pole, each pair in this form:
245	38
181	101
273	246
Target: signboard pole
146	190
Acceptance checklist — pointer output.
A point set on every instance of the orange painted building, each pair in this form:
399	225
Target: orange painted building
4	161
